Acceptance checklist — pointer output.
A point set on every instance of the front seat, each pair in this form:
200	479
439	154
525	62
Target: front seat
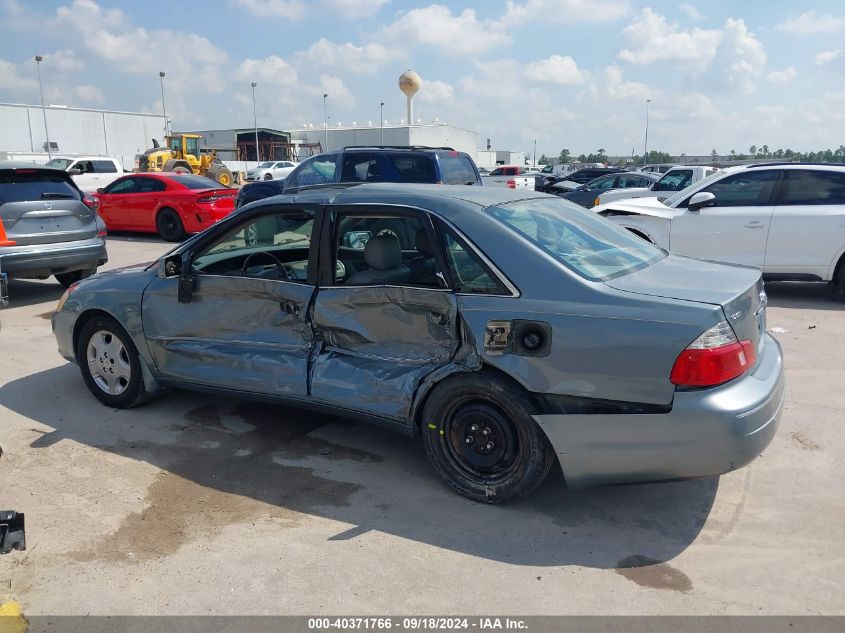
384	257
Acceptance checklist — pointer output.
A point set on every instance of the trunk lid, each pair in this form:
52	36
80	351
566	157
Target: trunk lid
43	206
737	289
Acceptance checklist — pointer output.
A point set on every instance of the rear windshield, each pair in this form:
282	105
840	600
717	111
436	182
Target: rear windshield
16	186
197	182
457	170
59	163
414	168
584	242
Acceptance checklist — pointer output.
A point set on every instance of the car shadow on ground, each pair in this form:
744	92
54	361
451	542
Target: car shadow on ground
144	238
27	292
355	473
804	295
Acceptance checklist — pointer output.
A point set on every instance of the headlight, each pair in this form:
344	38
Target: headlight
65	296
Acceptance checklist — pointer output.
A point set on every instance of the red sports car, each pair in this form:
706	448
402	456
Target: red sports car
164	203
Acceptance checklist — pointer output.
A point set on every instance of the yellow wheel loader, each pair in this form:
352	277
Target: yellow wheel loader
181	154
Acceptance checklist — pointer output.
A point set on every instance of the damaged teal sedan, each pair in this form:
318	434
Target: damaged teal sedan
509	330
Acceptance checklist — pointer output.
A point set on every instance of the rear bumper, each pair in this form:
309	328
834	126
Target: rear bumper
43	260
204	216
707	433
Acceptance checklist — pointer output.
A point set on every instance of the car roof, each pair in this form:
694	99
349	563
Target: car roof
14	164
422	195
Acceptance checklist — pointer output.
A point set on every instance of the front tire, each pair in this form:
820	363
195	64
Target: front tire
268	176
109	363
169	225
479	434
66	279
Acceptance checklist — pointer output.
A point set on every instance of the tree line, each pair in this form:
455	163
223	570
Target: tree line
763	152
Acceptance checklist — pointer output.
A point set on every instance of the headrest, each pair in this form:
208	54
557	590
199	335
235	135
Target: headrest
383	252
423	244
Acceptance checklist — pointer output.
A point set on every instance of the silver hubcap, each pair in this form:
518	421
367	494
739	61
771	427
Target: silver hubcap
108	363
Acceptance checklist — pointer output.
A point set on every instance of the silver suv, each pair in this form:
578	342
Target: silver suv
47	225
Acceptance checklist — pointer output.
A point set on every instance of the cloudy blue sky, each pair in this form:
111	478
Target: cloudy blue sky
721	74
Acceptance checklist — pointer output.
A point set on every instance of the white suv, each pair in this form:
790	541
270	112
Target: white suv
786	219
271	170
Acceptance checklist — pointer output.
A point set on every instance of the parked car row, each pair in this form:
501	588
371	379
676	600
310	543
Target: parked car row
787	220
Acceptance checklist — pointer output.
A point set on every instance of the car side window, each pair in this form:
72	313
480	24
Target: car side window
601	184
747	188
104	167
674	181
126	185
469	273
414	168
275	247
802	187
457	170
149	185
315	171
394	250
357	167
84	166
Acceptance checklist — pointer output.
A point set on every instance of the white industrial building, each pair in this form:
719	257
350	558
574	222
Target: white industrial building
427	134
492	158
120	135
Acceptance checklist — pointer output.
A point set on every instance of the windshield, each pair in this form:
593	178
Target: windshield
266	165
59	163
674	199
584	242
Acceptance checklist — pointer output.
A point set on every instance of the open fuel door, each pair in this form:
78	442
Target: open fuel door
382	316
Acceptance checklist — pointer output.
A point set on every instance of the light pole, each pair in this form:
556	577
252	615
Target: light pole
38	60
163	108
535	152
645	145
326	120
255	124
381	121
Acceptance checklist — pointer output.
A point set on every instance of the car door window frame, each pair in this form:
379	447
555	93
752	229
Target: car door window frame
328	241
441	224
785	185
774	195
208	238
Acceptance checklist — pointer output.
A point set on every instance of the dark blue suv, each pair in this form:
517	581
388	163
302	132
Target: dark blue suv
436	165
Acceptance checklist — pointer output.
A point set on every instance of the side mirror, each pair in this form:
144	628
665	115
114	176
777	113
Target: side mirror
701	199
169	266
101	190
75	171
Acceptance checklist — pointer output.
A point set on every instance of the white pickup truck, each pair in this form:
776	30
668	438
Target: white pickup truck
89	172
510	176
673	180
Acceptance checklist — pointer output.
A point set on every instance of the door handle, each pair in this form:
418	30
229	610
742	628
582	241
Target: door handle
289	308
754	225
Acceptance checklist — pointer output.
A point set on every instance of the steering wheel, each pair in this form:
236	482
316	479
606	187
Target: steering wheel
283	272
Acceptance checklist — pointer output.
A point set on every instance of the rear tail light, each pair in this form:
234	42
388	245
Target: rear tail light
511	184
713	358
92	202
215	198
102	232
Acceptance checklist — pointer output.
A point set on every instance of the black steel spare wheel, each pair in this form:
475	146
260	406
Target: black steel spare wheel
480	435
480	439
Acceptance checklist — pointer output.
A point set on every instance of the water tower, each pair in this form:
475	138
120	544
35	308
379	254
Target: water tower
409	83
